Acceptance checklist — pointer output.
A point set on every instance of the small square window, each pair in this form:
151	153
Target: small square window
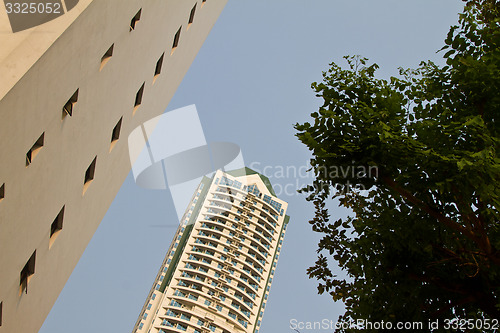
115	135
158	67
2	192
176	40
138	98
89	175
191	16
70	104
35	149
135	19
56	227
27	273
105	58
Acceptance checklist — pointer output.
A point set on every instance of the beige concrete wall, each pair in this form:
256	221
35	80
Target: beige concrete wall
67	56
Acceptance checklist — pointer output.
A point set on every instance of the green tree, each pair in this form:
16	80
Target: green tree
423	242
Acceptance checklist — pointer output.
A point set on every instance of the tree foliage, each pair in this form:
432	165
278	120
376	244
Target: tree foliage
423	242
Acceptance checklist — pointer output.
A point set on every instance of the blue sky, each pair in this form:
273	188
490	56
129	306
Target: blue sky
250	83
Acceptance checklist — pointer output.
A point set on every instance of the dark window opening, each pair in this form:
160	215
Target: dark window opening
35	149
191	15
2	192
70	104
115	135
56	226
105	58
27	273
89	175
176	39
138	97
159	65
135	19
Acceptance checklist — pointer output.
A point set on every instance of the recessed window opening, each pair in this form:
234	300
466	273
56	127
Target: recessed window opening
176	39
56	227
35	149
191	16
138	97
27	273
158	67
105	58
1	308
70	104
89	175
2	191
115	135
135	20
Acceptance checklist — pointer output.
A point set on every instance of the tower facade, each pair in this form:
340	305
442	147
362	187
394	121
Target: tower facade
71	91
218	271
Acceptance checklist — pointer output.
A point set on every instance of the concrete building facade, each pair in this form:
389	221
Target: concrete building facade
71	90
218	271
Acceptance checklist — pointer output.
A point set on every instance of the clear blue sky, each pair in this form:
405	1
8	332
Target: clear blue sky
250	83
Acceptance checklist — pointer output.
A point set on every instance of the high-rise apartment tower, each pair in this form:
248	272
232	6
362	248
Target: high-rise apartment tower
218	270
71	91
